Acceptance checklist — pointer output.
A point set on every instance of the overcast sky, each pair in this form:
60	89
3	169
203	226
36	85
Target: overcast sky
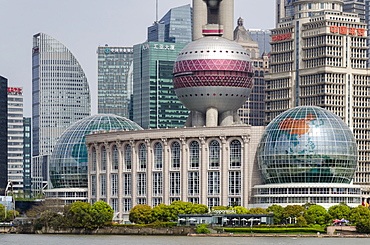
83	25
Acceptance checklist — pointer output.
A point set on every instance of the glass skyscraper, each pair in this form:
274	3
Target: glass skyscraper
155	104
3	134
263	37
60	97
174	27
114	80
27	157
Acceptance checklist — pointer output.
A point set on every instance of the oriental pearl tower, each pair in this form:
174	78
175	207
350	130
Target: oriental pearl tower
213	75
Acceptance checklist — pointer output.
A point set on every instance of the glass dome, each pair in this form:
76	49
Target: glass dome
307	145
68	163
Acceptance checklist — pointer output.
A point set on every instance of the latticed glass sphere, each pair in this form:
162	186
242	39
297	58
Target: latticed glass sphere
307	144
68	163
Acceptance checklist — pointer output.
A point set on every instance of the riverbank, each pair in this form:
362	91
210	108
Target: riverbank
280	235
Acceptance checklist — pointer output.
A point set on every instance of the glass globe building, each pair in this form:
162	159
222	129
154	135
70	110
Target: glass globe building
307	145
69	161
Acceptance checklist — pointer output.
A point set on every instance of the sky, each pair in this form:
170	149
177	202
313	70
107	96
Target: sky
83	25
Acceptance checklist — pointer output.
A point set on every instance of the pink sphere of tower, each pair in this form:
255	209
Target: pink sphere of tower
213	78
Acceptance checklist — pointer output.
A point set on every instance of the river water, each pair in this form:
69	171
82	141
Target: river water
21	239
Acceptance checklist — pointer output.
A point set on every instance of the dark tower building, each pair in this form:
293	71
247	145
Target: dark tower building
3	134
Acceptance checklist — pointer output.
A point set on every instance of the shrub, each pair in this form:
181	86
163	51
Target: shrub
202	229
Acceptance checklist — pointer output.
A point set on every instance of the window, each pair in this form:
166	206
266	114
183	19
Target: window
103	159
141	184
93	159
214	154
114	182
157	184
141	201
93	185
213	202
213	183
103	185
235	184
175	156
175	184
234	201
193	199
235	154
158	156
115	158
128	158
156	201
127	183
126	205
142	157
194	155
114	204
193	183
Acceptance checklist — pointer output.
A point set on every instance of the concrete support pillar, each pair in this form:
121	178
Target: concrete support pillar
197	119
134	168
212	117
165	172
203	167
184	167
149	173
226	118
227	18
236	117
224	172
246	172
199	18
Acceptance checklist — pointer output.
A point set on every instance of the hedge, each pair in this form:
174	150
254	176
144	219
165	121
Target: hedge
274	230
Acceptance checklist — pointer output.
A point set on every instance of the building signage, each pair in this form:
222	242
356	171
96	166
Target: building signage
282	37
164	46
14	90
347	30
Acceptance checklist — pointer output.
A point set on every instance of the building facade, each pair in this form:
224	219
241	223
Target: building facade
263	38
319	58
155	104
27	157
60	96
15	139
114	81
253	110
174	27
207	165
3	135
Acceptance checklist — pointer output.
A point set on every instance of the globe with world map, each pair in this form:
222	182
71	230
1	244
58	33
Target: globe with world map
307	144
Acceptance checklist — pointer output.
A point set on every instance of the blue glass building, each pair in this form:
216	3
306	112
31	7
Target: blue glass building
174	27
68	163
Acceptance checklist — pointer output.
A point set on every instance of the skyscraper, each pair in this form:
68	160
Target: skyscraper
263	38
3	134
27	179
60	95
15	138
355	6
155	104
114	82
319	58
174	27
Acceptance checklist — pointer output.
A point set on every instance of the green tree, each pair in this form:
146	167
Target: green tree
301	221
358	214
7	215
162	213
363	226
293	211
277	210
79	214
241	210
141	214
102	213
316	214
180	207
50	219
339	212
258	211
220	208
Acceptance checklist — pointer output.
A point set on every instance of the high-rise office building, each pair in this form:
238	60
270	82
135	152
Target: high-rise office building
319	58
253	110
114	82
263	38
355	6
174	27
155	104
15	139
60	97
27	180
3	135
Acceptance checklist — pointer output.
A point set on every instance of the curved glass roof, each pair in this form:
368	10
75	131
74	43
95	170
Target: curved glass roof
307	144
68	163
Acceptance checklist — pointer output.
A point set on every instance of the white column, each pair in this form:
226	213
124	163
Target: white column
247	171
149	172
184	169
203	167
224	178
134	168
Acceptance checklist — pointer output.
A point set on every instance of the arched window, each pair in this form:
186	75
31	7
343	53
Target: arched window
103	158
115	158
158	156
235	154
214	154
261	74
194	155
142	157
93	159
128	158
175	156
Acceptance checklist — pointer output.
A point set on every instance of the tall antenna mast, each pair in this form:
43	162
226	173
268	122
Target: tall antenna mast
156	11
